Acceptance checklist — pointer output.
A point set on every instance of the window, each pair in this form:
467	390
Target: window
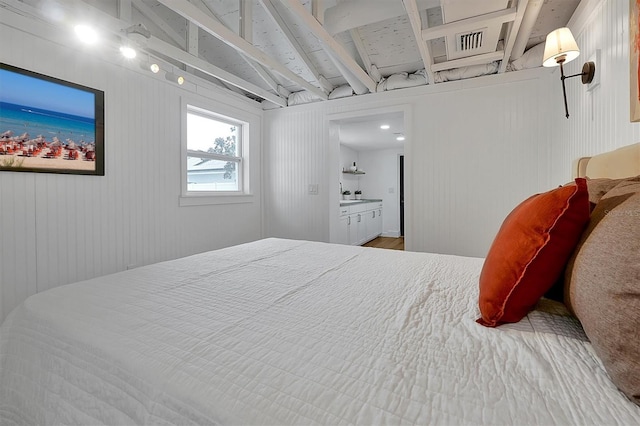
214	152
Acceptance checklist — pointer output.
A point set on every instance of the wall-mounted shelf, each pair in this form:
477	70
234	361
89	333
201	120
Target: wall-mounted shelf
357	172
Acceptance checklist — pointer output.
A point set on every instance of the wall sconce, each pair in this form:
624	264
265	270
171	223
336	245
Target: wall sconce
174	78
562	48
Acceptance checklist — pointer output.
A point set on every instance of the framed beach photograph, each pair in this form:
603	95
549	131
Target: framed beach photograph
634	58
49	125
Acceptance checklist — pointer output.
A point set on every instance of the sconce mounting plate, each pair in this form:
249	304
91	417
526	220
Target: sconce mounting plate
588	72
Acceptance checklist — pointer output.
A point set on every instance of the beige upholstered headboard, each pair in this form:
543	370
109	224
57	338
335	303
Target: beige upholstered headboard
620	163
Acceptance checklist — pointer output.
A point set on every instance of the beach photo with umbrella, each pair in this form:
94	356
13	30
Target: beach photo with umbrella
49	125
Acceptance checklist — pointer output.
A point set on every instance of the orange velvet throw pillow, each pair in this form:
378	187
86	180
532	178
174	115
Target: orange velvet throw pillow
530	252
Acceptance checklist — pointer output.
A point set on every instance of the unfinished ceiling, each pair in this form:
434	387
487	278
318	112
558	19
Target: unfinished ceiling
282	52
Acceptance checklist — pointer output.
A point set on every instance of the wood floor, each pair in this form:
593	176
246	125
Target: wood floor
387	243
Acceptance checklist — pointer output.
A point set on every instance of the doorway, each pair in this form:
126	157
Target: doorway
373	139
401	168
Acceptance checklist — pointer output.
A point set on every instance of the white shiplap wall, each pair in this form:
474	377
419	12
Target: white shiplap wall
57	229
599	118
475	149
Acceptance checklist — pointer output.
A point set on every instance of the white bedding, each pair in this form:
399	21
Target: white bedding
293	332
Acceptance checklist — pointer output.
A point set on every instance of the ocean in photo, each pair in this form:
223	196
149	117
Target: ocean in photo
34	121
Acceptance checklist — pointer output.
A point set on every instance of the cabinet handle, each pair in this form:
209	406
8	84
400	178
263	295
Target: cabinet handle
349	220
359	218
374	214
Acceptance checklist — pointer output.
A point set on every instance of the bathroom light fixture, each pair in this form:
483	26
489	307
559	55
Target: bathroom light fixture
86	34
385	127
128	52
400	138
174	78
561	48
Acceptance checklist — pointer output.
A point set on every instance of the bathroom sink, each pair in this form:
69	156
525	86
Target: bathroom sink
350	201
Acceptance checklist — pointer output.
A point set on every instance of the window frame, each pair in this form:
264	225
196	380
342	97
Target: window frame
229	115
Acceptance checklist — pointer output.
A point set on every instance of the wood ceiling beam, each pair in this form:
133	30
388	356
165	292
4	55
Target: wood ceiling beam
416	25
484	58
161	23
277	18
124	10
246	31
215	28
488	19
317	10
512	32
113	25
332	47
357	13
164	48
362	51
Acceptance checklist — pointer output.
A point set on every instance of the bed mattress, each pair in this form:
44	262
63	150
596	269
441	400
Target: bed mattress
295	332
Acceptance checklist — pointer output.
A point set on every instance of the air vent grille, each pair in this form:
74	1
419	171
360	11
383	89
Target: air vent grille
471	40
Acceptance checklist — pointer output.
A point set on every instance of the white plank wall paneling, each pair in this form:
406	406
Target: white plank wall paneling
480	146
599	118
477	151
58	229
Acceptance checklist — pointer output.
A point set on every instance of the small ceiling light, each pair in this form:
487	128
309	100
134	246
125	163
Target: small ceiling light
385	127
86	34
561	48
400	138
174	78
128	52
154	68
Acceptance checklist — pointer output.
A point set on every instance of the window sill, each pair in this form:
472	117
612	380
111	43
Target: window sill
204	200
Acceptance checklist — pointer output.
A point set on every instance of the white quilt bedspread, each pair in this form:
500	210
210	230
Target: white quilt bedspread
293	332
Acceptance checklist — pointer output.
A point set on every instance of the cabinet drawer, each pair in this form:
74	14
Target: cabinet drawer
344	211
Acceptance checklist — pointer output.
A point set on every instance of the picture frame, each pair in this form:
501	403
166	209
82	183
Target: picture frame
49	125
634	59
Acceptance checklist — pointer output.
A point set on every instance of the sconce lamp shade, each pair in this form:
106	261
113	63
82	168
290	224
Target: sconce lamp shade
560	47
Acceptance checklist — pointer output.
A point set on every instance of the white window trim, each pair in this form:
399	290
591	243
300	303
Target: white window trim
250	124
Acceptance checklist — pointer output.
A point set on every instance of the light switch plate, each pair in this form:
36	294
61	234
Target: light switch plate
313	189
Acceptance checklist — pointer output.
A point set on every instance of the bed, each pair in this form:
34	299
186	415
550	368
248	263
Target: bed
297	332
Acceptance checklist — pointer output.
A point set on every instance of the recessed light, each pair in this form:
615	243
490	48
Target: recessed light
86	34
128	52
385	127
154	68
400	138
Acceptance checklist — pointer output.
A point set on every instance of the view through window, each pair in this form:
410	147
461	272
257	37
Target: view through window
214	152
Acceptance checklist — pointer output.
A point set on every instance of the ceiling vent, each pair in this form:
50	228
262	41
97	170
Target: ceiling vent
470	40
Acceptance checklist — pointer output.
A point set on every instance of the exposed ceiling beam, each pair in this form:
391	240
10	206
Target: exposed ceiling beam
332	47
161	23
526	28
246	20
416	25
317	10
113	25
124	10
215	28
484	58
362	51
488	19
159	46
275	15
357	13
245	31
512	32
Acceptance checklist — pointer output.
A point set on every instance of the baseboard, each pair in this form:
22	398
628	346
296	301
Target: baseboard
392	234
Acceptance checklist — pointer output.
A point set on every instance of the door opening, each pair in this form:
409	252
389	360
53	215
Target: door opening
402	195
